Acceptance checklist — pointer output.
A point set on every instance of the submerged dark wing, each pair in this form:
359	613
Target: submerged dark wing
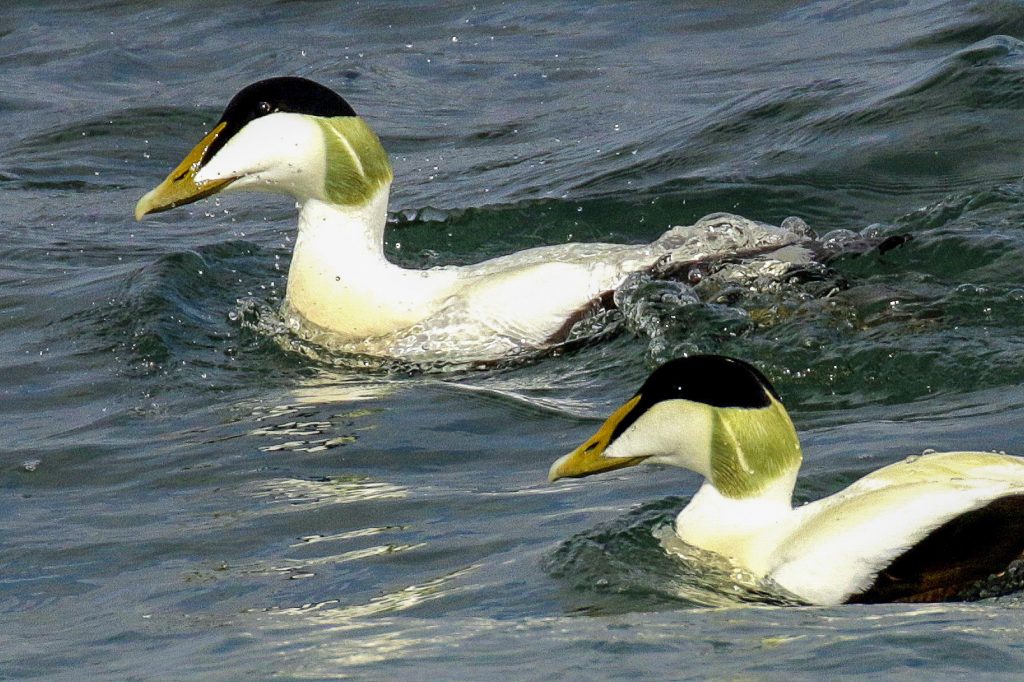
950	559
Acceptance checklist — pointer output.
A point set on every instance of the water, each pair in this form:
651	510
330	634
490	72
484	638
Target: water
184	497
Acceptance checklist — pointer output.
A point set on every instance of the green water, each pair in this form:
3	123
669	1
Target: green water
186	497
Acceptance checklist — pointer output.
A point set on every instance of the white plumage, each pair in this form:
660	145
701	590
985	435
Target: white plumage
922	529
294	137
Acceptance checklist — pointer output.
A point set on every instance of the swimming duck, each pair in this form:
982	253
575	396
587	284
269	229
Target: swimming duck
295	137
922	529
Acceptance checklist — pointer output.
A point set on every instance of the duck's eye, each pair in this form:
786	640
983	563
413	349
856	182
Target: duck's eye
264	108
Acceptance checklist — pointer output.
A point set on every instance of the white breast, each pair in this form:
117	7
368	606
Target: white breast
826	551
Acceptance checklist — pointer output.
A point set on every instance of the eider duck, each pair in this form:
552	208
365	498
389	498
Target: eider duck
924	529
295	137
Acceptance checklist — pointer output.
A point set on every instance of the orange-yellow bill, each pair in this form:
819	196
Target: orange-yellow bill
180	186
588	458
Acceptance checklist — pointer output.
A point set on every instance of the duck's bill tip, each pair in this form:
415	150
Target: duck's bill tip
180	186
555	472
578	465
590	457
173	193
146	205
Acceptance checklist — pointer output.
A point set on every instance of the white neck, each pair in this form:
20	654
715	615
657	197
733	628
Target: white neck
744	529
339	279
347	231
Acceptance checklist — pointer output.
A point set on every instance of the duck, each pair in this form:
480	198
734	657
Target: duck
295	137
927	528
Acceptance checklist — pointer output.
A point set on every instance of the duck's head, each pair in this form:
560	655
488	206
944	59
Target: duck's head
714	415
286	135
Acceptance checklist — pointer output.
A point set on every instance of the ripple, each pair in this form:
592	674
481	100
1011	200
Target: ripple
310	494
637	556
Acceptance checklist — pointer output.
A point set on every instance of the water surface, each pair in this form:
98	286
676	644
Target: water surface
186	497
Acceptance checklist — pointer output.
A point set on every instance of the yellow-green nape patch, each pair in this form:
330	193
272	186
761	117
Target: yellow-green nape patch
751	448
357	165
